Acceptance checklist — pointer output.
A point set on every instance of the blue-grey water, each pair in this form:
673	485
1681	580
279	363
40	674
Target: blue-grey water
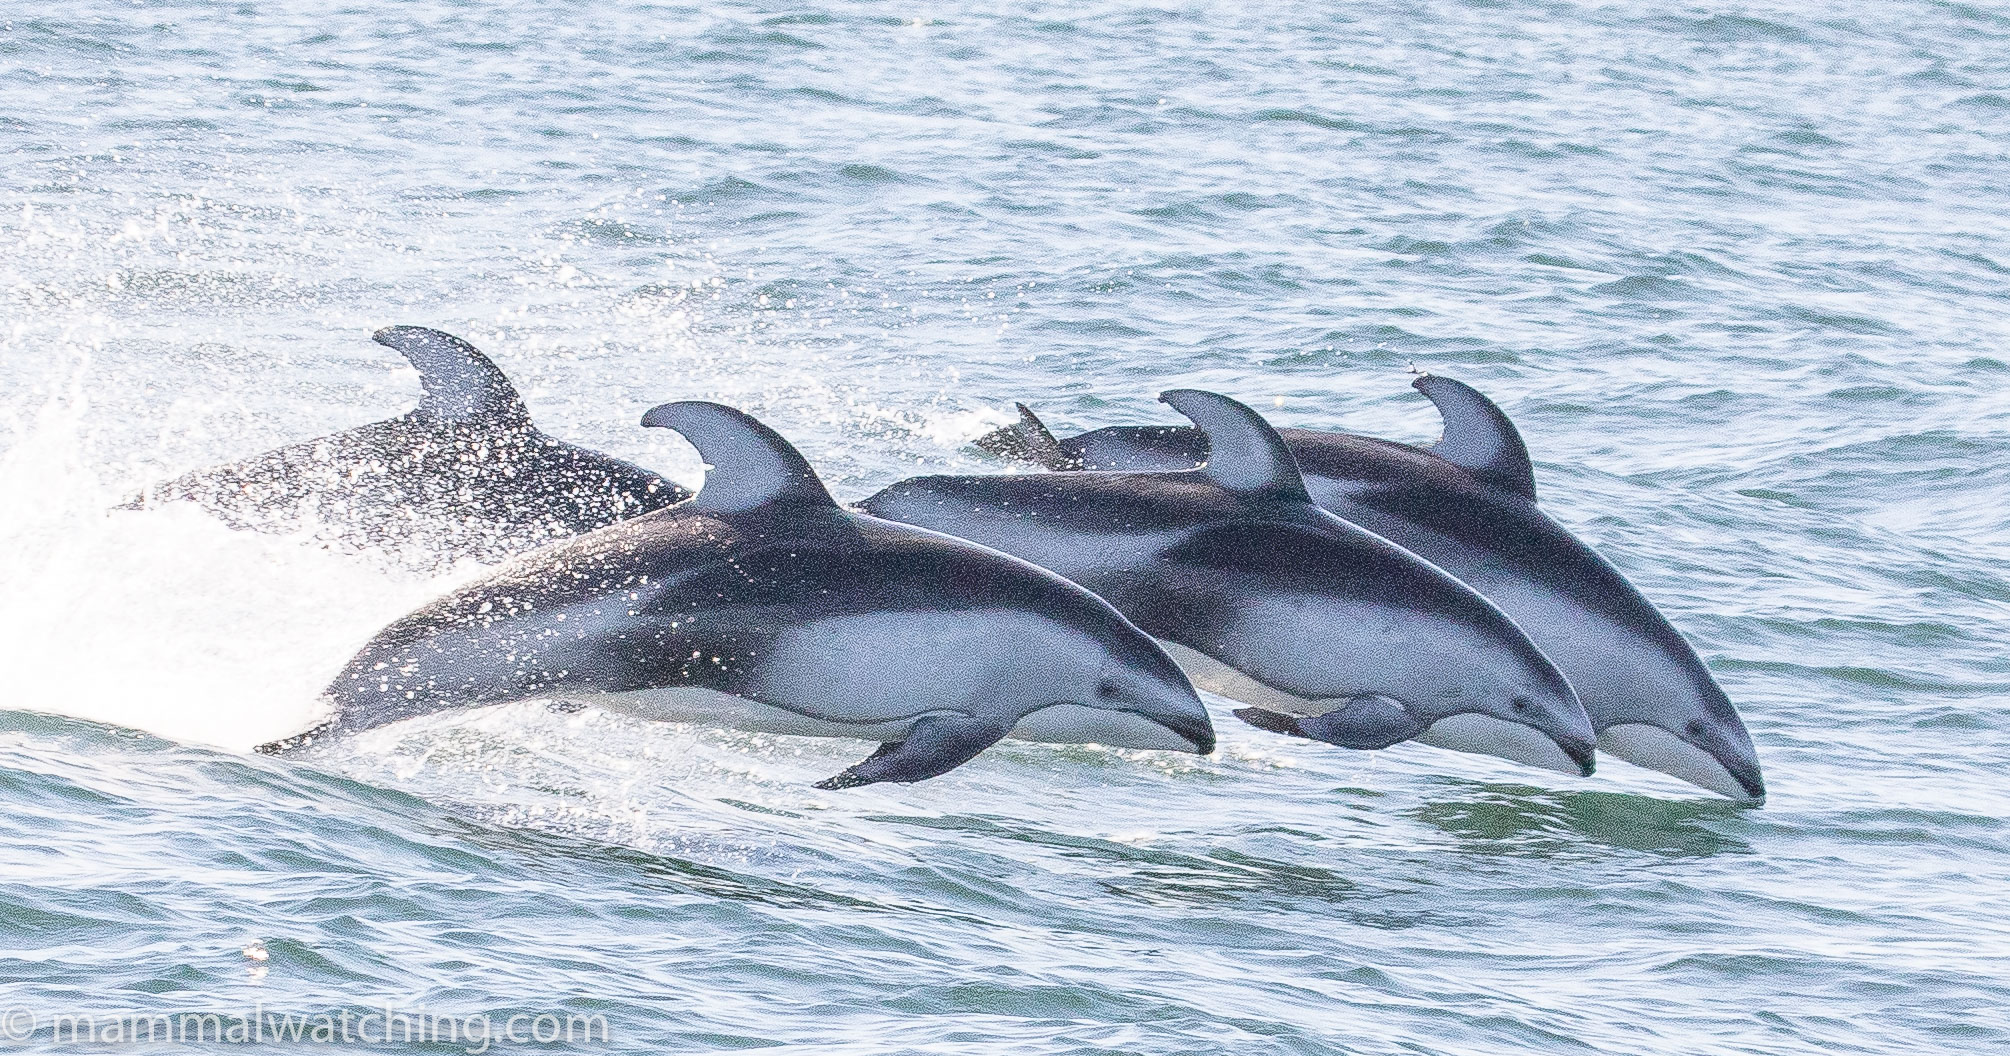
1739	273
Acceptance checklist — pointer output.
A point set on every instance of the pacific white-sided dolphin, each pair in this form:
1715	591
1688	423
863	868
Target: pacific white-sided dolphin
1468	505
1329	631
463	475
762	604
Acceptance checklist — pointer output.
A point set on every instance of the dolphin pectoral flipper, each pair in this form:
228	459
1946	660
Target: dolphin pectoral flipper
1366	722
460	382
1266	719
1478	436
1028	440
934	746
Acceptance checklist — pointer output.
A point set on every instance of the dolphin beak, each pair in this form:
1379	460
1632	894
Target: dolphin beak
1199	731
1571	731
1731	746
1703	755
1582	752
1744	769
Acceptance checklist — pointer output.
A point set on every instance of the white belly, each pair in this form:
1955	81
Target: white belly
1059	724
1486	735
1074	724
1222	680
709	707
1657	749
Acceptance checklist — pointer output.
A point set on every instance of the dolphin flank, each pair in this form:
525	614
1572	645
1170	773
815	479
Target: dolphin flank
762	604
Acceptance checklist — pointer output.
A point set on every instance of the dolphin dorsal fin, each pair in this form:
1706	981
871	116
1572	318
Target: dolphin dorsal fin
461	384
747	464
1244	454
1478	437
1028	440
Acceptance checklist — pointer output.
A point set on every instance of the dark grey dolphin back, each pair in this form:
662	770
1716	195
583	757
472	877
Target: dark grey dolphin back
1478	438
460	383
1135	448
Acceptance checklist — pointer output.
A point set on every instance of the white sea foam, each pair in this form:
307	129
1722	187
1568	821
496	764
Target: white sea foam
164	620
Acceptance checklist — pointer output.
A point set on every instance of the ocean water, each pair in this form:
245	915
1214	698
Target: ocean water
1739	274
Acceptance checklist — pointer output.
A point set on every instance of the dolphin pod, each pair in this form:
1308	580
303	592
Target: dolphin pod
1343	588
763	604
1468	505
1329	631
463	475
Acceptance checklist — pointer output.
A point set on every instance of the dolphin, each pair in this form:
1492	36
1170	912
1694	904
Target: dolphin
761	603
1326	630
1468	505
463	475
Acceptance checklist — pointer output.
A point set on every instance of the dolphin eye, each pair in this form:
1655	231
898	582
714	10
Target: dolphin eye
1522	705
1108	689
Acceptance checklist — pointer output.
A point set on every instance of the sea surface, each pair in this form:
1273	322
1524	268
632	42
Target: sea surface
1740	273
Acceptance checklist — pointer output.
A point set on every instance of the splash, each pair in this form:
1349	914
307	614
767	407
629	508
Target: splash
165	620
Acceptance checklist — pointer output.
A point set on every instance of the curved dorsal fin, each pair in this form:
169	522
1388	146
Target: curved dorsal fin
747	464
461	384
1478	437
1244	453
1028	440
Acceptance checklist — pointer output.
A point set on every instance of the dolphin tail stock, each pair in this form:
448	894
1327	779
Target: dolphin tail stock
1365	722
1028	440
933	747
460	383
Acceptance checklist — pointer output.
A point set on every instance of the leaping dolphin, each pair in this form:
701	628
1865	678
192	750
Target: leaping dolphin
1468	505
463	475
763	604
1330	632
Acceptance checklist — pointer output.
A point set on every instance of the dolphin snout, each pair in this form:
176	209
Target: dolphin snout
1746	773
1582	752
1175	706
1196	729
1154	688
1712	755
1576	737
1732	749
1562	719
